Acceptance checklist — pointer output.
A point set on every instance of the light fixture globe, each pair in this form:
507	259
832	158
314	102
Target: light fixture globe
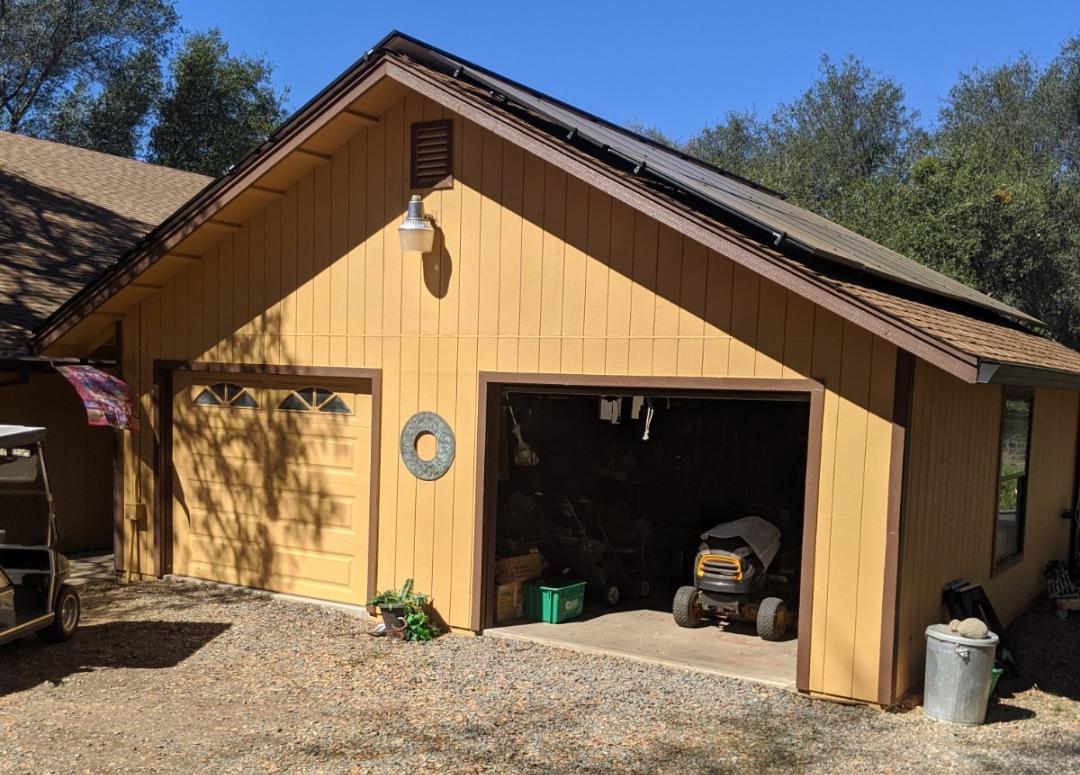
416	232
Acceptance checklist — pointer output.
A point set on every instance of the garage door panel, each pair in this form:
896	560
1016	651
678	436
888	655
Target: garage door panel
243	441
267	538
270	497
342	512
277	476
295	563
281	451
322	452
327	577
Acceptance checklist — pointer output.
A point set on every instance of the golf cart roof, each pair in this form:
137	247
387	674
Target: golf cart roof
16	435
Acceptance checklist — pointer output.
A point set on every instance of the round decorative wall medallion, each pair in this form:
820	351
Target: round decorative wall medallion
419	424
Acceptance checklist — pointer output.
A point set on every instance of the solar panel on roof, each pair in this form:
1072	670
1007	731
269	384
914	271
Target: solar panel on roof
821	236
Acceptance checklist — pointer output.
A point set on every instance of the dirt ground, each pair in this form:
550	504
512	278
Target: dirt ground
179	678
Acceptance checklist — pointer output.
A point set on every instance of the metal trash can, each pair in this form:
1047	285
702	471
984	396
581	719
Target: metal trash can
958	675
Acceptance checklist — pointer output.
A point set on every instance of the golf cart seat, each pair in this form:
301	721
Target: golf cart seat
33	595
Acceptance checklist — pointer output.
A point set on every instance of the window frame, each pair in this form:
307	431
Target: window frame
997	565
223	403
317	408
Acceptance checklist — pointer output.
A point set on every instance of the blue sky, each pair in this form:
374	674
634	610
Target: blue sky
653	62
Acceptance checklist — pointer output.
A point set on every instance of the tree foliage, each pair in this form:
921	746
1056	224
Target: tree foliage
990	196
90	73
50	47
217	107
114	118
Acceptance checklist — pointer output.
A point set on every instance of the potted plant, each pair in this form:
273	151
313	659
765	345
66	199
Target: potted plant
404	612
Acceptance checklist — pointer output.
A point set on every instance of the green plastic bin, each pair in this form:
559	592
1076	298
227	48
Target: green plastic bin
554	604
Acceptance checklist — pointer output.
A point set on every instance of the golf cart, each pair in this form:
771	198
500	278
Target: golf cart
33	596
731	580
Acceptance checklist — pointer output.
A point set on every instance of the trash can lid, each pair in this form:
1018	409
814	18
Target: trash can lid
943	633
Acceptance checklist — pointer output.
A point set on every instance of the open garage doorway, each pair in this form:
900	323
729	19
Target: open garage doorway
684	509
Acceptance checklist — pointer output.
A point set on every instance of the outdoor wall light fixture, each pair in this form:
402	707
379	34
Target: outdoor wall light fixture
416	232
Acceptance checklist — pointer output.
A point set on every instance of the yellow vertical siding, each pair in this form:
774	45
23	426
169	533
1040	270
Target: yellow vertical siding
950	502
535	272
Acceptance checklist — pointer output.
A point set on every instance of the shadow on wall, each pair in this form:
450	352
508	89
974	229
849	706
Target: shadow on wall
142	645
258	488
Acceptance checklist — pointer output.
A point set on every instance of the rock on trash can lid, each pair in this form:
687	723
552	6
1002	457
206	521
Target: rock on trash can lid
943	633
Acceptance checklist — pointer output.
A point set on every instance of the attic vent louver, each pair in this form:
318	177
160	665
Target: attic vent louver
432	158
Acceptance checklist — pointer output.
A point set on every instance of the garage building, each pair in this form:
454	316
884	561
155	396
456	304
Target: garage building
278	340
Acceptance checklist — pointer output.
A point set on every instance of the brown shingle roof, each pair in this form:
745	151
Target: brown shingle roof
984	339
67	214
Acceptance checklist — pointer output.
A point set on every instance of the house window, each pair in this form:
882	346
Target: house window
1013	475
314	399
432	155
226	394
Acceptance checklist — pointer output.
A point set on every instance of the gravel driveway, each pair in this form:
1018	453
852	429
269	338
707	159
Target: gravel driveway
178	678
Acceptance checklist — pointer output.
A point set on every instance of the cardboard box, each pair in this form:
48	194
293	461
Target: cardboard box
509	602
520	568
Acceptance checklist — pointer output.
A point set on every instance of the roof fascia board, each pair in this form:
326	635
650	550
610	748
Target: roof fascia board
200	210
1019	375
951	360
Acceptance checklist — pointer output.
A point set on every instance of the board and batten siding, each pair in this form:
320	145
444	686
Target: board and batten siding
950	503
533	271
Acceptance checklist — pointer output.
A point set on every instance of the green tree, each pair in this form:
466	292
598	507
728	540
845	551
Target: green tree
990	197
49	47
115	119
651	132
216	108
996	202
737	144
849	129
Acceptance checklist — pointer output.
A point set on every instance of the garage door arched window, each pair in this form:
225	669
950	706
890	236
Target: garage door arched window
314	399
226	394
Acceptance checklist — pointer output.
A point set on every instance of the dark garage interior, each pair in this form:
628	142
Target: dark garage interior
616	490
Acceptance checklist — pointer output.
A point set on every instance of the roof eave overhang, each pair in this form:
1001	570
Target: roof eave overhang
202	208
354	84
1020	375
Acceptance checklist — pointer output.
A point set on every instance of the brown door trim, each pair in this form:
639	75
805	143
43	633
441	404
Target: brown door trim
491	383
903	396
163	394
118	466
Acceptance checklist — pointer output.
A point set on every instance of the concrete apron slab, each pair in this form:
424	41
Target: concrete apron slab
652	636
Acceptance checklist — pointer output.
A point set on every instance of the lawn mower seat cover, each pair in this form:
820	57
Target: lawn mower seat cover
763	537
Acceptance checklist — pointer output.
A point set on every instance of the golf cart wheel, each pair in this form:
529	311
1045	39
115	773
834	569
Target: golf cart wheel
644	588
66	620
612	594
687	607
772	619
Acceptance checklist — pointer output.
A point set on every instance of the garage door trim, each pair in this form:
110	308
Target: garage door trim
163	389
491	382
